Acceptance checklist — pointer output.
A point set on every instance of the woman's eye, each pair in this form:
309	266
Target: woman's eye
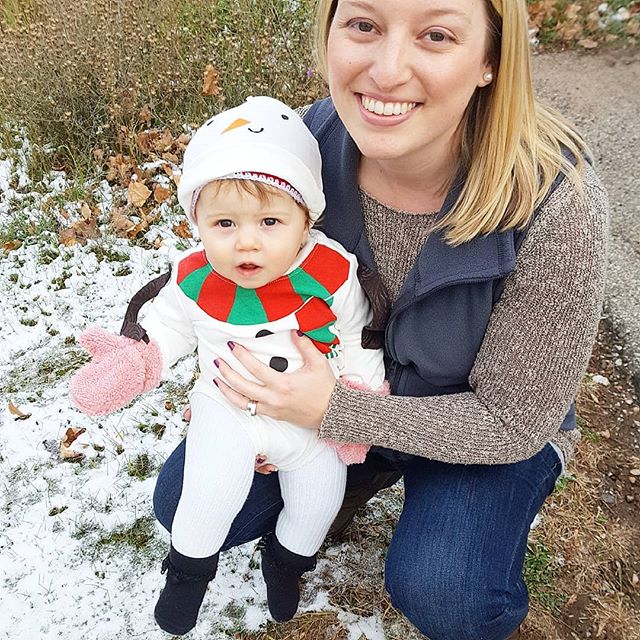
362	26
270	222
436	36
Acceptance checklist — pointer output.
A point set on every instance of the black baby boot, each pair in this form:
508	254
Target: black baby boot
282	569
187	578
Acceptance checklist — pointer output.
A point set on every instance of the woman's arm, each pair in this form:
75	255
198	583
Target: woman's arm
530	363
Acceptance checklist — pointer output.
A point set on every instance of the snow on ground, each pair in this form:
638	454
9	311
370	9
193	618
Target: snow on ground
79	549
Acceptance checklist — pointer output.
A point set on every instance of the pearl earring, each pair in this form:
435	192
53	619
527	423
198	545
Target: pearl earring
488	76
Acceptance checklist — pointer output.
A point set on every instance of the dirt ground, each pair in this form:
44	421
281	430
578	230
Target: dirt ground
594	523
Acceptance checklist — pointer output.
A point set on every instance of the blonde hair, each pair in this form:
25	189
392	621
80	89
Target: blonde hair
511	146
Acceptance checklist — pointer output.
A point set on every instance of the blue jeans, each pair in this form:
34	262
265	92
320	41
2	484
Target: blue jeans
454	565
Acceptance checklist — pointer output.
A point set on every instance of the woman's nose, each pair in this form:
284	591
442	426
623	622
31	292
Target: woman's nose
391	66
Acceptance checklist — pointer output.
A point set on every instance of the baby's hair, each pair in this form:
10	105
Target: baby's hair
260	190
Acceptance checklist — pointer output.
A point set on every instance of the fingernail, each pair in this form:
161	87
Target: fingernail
217	363
231	345
215	381
299	332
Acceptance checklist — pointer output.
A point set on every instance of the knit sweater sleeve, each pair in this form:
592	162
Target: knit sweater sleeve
532	358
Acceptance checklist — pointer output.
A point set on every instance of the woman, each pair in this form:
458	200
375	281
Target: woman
440	168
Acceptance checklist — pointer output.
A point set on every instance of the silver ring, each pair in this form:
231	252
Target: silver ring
252	407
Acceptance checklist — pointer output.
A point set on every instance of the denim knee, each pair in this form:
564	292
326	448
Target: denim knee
449	604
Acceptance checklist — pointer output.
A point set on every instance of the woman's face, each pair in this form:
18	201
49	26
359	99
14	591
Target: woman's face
402	72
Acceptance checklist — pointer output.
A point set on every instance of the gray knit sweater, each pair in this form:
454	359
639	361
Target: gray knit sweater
534	353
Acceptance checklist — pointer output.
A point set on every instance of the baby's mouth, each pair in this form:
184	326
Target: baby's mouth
248	268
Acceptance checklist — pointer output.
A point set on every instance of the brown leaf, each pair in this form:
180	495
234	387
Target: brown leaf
14	411
67	237
171	157
587	43
137	193
182	230
98	155
70	435
163	142
145	115
120	222
85	229
160	194
85	211
210	78
11	245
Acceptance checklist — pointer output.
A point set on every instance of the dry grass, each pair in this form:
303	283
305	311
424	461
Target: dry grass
79	73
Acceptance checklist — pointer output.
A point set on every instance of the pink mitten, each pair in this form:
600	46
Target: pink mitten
120	369
351	453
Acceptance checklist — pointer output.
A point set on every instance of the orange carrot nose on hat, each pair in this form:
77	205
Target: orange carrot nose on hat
263	140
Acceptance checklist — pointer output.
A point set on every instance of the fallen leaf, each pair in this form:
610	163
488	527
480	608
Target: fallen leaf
182	230
210	86
137	193
120	222
85	211
587	43
70	435
14	411
171	157
145	115
160	194
11	245
67	237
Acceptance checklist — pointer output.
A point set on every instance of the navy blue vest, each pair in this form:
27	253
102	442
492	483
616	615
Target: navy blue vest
433	331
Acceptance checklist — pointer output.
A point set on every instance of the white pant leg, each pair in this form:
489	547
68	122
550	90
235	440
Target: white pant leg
312	496
218	472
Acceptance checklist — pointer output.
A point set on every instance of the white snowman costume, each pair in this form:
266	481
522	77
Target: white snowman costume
319	295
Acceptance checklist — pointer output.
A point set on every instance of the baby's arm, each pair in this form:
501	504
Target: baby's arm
122	368
351	307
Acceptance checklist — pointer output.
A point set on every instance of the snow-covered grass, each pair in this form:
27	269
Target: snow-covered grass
80	550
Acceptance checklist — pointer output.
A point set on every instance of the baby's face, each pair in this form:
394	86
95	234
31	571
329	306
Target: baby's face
246	241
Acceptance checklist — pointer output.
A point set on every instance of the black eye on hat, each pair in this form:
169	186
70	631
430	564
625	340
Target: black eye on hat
284	116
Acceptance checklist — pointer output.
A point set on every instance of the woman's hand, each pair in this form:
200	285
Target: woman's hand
301	397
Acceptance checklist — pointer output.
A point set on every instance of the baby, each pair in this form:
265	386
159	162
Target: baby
252	185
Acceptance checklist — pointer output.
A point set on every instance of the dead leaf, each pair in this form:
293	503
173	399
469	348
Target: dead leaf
67	237
137	193
160	194
84	230
163	142
11	245
98	155
182	230
145	115
85	211
14	411
210	78
171	157
70	435
120	222
587	43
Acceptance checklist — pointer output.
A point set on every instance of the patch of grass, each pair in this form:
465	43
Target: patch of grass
141	467
137	536
42	367
540	570
156	428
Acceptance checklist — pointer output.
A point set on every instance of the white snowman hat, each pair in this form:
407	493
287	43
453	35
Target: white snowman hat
263	140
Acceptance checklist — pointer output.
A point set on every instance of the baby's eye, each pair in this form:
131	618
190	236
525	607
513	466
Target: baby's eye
225	224
270	222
